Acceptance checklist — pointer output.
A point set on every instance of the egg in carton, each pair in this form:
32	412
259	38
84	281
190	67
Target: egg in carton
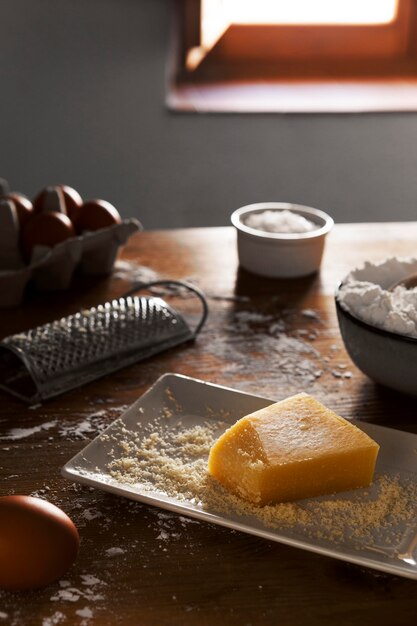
50	265
13	273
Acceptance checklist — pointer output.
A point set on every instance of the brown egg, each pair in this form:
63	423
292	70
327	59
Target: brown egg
4	187
96	214
38	543
69	200
50	199
45	229
73	200
24	207
10	254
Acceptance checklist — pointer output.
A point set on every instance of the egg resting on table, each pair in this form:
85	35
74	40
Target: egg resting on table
38	543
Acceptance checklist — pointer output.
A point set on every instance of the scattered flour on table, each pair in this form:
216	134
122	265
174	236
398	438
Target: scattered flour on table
84	594
170	527
131	271
91	425
91	513
310	313
88	427
69	595
152	457
141	275
166	528
279	357
53	620
86	612
14	434
111	552
90	589
90	580
364	293
279	221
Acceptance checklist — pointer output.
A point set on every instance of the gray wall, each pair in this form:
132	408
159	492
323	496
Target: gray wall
82	102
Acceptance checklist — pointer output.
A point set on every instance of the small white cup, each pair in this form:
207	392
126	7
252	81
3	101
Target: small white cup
281	255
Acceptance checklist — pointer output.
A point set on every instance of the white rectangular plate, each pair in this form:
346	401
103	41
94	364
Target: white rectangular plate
397	457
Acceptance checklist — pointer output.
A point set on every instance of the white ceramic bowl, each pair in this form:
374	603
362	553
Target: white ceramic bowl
281	255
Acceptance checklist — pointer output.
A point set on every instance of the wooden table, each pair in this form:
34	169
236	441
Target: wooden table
203	574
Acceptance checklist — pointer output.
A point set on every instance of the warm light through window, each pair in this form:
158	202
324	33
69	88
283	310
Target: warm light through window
295	55
218	15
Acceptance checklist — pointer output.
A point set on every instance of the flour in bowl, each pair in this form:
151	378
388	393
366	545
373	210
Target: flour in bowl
365	294
281	221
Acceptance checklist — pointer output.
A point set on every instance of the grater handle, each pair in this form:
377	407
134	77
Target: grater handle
205	310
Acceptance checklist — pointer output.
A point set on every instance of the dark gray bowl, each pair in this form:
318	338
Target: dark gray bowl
389	359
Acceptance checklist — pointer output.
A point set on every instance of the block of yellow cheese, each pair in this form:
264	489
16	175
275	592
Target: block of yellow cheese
291	450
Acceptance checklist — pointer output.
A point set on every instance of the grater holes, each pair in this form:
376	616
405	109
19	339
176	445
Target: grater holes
107	330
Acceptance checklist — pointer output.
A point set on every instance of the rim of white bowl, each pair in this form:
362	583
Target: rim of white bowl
236	219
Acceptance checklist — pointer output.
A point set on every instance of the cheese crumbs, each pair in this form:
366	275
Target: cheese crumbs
170	457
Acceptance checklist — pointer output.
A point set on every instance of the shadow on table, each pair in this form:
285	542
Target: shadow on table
290	290
378	404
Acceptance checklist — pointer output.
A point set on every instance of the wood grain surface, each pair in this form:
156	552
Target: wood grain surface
268	337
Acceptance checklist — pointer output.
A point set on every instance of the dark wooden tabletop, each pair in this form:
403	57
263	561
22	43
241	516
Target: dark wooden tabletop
130	572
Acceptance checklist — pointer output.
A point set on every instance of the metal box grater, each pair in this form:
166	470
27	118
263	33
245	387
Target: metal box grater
48	360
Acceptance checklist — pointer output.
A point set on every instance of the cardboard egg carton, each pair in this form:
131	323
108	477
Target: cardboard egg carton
92	253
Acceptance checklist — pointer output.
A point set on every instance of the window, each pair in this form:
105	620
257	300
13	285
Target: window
262	55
